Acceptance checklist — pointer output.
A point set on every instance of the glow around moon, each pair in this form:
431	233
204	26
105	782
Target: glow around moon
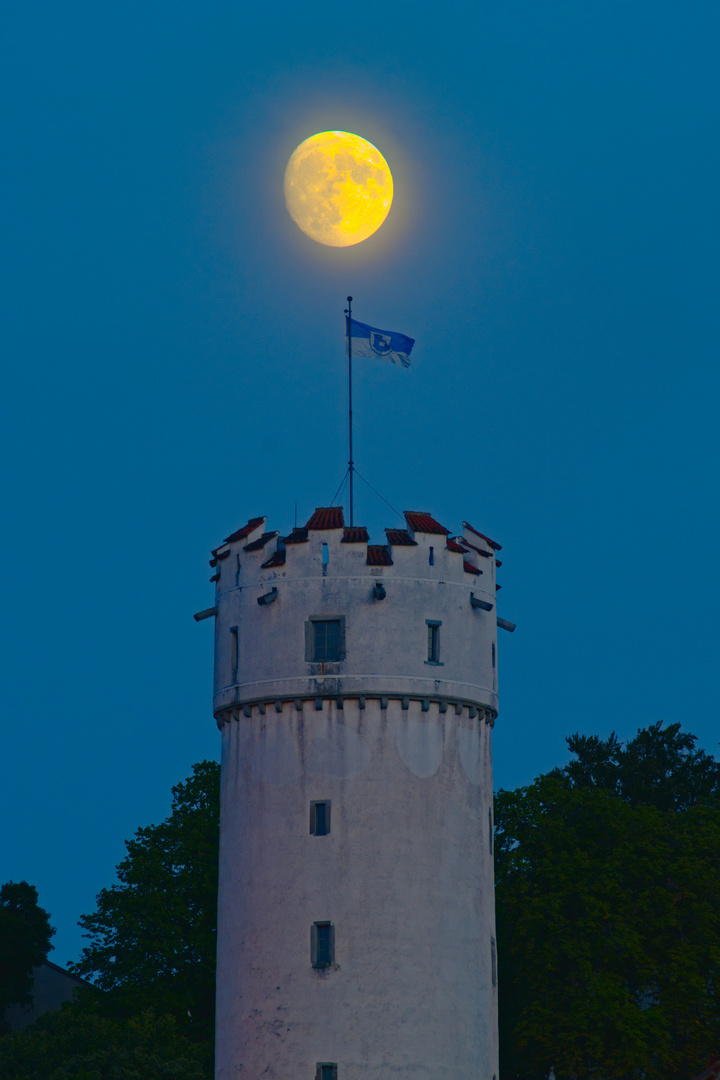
338	188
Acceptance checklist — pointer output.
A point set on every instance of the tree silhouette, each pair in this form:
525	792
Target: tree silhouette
608	909
25	933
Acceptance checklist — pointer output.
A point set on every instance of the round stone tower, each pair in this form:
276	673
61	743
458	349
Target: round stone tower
356	691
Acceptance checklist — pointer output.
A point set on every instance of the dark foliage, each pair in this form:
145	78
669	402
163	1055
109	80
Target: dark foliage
608	909
25	933
660	767
153	935
73	1044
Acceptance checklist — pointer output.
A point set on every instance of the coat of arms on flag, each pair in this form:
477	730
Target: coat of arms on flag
380	343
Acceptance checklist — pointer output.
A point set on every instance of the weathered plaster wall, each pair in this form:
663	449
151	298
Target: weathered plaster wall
405	876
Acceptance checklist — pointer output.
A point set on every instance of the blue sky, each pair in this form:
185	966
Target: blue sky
175	365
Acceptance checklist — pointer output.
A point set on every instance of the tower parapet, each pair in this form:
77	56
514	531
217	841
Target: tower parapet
413	618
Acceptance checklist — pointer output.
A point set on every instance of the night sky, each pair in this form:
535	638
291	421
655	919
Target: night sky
175	365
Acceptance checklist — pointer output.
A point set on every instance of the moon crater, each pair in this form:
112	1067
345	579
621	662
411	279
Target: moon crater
338	188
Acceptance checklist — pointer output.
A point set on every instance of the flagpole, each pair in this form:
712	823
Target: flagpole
351	464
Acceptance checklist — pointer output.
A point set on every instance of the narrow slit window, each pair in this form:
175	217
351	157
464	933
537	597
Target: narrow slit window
490	828
234	653
431	556
493	960
325	555
320	818
493	654
433	641
322	944
326	1070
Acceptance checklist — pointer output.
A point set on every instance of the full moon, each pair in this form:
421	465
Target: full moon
338	188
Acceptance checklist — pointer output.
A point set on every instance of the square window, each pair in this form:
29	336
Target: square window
320	818
324	640
322	944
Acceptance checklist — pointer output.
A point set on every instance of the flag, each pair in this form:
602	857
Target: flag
387	344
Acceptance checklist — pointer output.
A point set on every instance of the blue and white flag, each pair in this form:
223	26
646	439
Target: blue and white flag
388	345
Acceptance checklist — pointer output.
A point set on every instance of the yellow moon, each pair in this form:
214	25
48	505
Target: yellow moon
338	188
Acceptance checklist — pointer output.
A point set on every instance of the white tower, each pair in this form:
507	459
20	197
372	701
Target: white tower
356	690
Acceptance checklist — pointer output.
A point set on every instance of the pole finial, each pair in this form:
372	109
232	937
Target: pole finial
349	299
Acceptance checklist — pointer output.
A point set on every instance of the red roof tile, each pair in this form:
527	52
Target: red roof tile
278	559
326	517
400	538
469	568
355	534
245	531
260	542
378	555
421	522
481	551
297	536
498	547
452	545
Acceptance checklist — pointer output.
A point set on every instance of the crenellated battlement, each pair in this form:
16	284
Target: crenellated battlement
322	613
326	547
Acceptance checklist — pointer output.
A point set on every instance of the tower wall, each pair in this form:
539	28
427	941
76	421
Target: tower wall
400	746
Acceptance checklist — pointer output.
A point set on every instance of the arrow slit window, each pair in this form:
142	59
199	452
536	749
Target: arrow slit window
433	641
320	818
322	944
326	1070
234	653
